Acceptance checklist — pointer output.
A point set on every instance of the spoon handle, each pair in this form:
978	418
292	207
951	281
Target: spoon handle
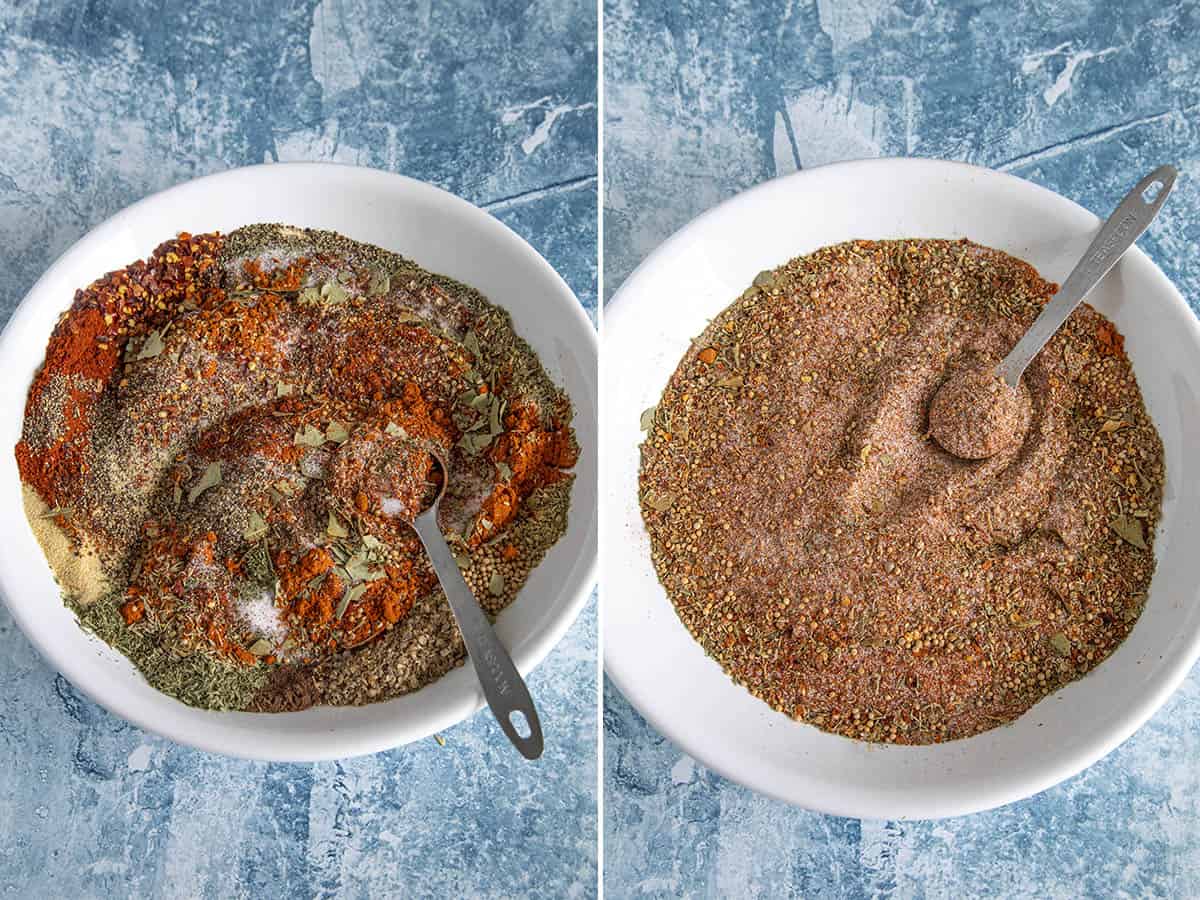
1116	236
502	684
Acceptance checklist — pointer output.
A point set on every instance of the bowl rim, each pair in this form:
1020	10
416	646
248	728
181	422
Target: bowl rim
1132	719
389	735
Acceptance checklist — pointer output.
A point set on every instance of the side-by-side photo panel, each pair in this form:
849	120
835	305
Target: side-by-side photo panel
301	449
900	371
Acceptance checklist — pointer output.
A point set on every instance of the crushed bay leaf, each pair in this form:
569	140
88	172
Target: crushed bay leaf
337	432
309	436
335	528
350	596
256	527
379	283
474	443
1129	530
495	423
660	501
358	568
647	420
471	343
210	479
152	346
332	293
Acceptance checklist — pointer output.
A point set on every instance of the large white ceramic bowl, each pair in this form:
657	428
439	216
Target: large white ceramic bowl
442	233
685	695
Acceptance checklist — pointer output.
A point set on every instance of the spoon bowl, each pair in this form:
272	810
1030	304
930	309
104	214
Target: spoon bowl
973	417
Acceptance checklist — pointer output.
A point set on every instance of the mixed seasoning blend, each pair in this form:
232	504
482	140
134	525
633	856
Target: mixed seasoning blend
836	559
227	442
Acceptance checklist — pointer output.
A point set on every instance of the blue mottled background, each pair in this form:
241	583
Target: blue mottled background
105	101
704	99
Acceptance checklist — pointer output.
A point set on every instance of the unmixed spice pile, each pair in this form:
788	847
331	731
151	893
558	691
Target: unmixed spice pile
227	442
842	565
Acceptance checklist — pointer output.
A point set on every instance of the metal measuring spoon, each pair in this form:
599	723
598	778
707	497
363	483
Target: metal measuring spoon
1117	235
974	413
502	684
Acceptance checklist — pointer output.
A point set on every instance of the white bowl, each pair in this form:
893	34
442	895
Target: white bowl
440	232
685	695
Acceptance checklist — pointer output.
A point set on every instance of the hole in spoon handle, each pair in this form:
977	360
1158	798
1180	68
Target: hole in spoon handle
1116	235
1125	225
503	688
523	728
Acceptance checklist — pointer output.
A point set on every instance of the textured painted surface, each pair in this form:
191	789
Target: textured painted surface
705	99
104	102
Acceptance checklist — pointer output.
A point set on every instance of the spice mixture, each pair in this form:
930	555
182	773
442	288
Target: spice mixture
227	442
975	414
840	563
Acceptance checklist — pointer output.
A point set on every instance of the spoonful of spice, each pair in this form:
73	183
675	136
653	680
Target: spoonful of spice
977	411
503	687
